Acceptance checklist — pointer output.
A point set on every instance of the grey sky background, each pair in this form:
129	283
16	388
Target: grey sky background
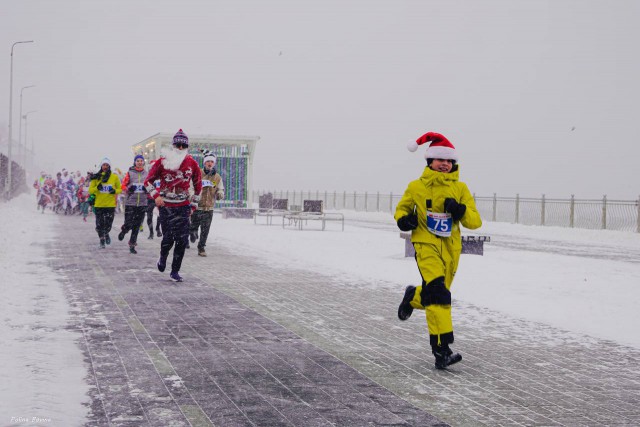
537	96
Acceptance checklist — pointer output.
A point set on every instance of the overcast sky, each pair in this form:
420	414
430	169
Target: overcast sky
537	96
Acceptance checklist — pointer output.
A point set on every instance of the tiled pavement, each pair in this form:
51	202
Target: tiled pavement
240	343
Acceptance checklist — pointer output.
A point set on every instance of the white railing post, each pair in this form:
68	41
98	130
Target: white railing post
344	200
495	202
391	202
638	229
572	211
517	208
604	212
366	202
542	213
378	202
354	201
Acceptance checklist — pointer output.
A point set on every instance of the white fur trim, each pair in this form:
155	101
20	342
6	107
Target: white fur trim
441	153
412	146
209	157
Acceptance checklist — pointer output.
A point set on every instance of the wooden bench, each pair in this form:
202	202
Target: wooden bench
311	211
473	245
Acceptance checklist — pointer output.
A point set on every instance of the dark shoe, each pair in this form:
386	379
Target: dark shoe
201	252
121	235
162	263
159	232
193	236
150	236
102	246
445	357
107	239
175	276
132	249
187	247
405	309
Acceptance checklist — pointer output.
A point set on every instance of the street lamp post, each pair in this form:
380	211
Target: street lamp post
22	147
25	117
20	121
8	187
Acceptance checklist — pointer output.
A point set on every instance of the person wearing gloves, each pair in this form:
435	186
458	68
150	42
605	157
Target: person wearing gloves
104	187
176	170
135	204
212	190
432	208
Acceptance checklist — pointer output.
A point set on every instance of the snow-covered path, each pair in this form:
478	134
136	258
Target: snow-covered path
41	365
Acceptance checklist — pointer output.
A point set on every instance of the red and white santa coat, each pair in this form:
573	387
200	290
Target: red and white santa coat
174	184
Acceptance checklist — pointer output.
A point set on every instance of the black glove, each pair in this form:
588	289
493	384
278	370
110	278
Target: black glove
131	188
112	191
100	187
456	209
408	223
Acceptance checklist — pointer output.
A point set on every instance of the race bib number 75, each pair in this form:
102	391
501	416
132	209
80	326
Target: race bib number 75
439	223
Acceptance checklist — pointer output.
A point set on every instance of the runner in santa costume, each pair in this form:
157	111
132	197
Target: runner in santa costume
432	208
176	169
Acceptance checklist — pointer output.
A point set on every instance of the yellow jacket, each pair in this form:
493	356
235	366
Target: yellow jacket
438	186
104	199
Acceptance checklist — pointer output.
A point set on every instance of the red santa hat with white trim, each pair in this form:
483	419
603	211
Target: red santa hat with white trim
439	148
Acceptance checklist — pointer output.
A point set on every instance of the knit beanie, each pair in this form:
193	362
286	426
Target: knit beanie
180	138
208	155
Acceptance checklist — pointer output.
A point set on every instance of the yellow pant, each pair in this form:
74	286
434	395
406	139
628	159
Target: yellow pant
437	265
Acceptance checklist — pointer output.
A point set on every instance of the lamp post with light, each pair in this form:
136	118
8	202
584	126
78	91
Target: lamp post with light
8	187
25	117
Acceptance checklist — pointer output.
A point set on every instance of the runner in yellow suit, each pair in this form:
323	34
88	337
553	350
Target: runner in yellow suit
433	207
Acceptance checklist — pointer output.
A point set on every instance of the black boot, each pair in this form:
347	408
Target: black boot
445	356
405	309
151	235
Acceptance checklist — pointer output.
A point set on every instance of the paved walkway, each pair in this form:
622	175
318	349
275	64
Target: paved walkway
240	343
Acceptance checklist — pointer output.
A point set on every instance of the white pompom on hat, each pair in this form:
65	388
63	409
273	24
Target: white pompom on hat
440	147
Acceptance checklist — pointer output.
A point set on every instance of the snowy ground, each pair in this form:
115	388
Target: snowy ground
41	366
584	281
578	280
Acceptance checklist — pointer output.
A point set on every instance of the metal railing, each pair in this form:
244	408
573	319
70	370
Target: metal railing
605	214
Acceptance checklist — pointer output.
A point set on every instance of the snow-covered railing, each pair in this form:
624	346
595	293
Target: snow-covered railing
606	214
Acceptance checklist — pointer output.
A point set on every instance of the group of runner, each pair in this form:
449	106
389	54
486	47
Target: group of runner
65	193
184	194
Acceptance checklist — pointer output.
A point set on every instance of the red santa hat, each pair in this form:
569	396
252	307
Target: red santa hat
440	147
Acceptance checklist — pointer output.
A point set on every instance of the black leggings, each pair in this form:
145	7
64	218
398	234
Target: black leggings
104	220
175	229
202	220
133	217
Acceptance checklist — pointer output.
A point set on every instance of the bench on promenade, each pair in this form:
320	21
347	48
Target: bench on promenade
268	207
311	211
473	245
245	213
